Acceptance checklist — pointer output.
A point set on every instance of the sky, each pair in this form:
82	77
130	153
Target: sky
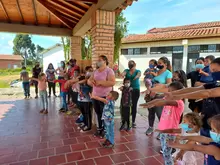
142	16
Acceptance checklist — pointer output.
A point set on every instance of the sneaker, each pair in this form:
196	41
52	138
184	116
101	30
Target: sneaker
173	150
161	151
109	145
45	112
25	97
122	127
149	131
55	95
134	125
96	134
36	96
48	95
105	143
102	134
158	136
85	129
41	111
61	109
128	129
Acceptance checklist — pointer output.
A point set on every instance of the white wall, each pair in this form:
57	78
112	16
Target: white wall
53	56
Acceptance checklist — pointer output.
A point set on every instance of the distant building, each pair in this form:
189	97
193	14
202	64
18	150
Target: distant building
10	61
181	44
53	55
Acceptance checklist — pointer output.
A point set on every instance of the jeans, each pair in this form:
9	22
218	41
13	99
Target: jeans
64	103
109	128
60	78
98	107
26	86
126	113
51	85
167	151
86	110
135	97
151	114
43	99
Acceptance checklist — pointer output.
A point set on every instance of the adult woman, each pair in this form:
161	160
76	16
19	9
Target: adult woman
61	72
50	72
133	74
35	73
102	81
164	76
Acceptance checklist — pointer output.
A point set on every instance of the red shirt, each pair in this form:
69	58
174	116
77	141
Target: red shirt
71	72
63	89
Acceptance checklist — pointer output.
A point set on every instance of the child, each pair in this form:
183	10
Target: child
151	72
212	147
170	119
24	76
42	85
126	103
63	93
75	88
191	125
108	117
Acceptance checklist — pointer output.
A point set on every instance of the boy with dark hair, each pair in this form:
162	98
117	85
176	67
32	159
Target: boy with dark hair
206	76
24	76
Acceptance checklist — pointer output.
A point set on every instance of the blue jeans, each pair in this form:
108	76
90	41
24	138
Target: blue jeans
109	130
64	103
167	151
26	86
43	99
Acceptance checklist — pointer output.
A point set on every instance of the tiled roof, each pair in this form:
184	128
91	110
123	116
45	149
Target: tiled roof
11	57
200	30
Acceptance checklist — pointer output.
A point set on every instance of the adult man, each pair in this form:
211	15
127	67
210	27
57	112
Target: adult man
35	73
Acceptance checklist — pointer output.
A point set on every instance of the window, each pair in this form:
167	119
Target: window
137	51
161	50
218	48
15	66
130	51
178	49
124	51
143	50
194	49
203	48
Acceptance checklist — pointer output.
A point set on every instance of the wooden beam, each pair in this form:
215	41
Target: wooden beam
49	19
69	19
6	14
35	13
54	12
38	30
85	1
19	10
79	4
66	9
71	6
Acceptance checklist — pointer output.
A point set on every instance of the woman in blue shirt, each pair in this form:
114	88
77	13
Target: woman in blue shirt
133	74
164	76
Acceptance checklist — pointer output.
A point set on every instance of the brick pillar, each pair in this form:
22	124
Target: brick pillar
102	34
75	48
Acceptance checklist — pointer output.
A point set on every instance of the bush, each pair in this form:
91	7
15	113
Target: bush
12	71
4	84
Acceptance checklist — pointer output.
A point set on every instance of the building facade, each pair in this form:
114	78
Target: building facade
10	61
182	45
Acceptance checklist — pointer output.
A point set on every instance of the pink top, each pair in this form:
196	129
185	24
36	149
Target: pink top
100	90
42	85
170	118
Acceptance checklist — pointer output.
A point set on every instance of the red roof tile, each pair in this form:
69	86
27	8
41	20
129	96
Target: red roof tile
200	30
11	57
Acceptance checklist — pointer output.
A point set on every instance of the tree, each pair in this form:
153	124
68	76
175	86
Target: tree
86	47
66	47
121	25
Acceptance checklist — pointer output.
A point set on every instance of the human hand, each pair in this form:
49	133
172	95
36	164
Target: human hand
98	83
121	88
92	96
179	156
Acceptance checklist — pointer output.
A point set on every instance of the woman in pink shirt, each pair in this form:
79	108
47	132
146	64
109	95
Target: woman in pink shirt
42	86
102	81
170	119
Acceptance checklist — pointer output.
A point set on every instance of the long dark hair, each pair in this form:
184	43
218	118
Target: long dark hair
49	66
167	62
64	65
104	58
182	76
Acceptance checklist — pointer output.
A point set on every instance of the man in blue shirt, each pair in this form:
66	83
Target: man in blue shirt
206	76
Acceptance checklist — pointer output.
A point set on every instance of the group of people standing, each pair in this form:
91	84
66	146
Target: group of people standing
164	97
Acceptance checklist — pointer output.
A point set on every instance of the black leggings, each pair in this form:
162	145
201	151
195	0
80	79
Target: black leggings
126	113
98	107
51	85
36	87
135	97
86	110
151	115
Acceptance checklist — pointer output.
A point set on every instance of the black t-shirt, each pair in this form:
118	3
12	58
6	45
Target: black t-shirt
211	106
36	72
194	76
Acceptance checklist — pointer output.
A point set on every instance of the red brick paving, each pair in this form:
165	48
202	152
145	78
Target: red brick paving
29	138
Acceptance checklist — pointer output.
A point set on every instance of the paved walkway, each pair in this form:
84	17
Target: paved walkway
29	138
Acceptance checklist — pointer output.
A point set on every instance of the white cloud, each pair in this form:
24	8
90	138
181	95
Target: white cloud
10	43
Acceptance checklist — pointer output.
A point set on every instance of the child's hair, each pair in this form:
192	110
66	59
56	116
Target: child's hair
115	95
23	67
194	118
182	76
210	57
88	67
41	75
176	85
154	61
126	79
215	120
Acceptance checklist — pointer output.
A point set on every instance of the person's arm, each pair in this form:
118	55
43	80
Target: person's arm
187	90
159	103
179	130
154	73
204	73
91	80
205	149
98	98
146	72
138	75
110	82
161	88
124	73
199	139
35	79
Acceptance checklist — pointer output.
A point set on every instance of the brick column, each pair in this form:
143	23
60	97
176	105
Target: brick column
75	48
102	34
